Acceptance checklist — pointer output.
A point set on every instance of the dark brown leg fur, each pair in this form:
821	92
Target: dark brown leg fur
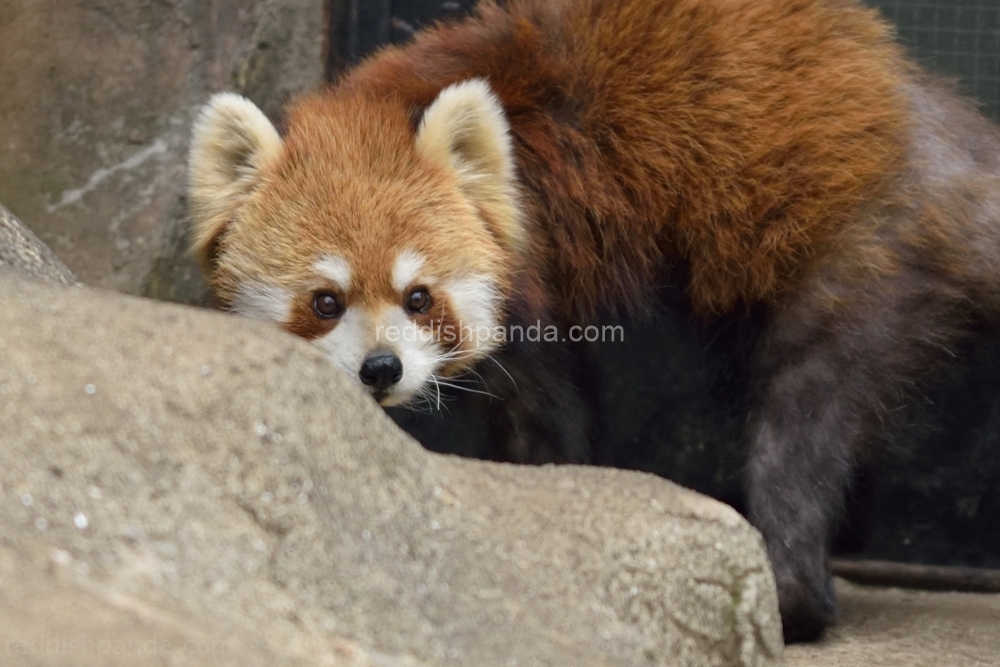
831	376
841	353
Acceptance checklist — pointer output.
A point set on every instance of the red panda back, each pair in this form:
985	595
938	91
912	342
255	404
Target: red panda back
738	137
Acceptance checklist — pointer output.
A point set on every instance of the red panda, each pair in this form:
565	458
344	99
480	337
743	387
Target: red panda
551	160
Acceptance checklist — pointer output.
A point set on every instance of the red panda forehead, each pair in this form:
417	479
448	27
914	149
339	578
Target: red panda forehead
351	168
300	242
385	275
351	131
366	218
351	187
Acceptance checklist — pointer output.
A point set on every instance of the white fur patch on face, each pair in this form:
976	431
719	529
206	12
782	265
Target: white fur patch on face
418	351
349	342
336	269
406	269
362	331
474	300
260	301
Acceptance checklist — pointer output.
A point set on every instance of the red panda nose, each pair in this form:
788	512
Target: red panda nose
381	370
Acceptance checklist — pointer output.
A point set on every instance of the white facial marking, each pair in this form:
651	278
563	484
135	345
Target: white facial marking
362	331
263	302
475	299
336	269
417	350
348	343
406	269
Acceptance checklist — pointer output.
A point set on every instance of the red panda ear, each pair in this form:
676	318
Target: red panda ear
232	140
466	130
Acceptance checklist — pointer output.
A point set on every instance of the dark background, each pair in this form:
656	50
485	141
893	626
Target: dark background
671	396
958	38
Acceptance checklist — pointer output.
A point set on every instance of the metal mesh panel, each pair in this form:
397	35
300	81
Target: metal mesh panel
957	38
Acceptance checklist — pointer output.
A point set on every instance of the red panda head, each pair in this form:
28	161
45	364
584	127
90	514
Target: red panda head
388	248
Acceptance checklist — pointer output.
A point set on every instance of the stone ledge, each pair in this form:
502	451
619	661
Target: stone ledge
218	471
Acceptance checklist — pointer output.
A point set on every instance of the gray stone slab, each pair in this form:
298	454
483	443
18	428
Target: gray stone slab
221	477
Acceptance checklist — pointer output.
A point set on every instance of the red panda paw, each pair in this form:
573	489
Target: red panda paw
806	601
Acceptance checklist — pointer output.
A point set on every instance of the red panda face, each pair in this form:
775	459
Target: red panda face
389	249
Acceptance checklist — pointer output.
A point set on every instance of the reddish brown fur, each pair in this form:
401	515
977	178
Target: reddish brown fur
775	152
742	182
316	182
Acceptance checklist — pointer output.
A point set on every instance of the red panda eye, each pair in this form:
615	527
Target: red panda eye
419	301
326	305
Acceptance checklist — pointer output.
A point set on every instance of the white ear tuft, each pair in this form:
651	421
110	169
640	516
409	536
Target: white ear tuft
232	140
466	129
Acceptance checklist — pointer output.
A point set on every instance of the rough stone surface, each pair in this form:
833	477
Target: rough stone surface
53	616
95	114
890	627
24	252
181	472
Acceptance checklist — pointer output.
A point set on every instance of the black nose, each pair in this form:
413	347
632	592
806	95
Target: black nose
381	370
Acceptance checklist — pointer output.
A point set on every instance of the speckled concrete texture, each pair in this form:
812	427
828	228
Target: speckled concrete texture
166	467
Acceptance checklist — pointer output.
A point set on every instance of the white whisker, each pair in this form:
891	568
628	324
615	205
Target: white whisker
438	385
490	357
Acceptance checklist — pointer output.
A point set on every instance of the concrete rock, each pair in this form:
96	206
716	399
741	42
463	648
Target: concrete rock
95	113
183	473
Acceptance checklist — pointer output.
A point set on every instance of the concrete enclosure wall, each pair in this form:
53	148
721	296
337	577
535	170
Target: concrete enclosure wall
97	103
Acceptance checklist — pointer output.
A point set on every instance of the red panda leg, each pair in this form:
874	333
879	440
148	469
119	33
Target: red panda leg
832	367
